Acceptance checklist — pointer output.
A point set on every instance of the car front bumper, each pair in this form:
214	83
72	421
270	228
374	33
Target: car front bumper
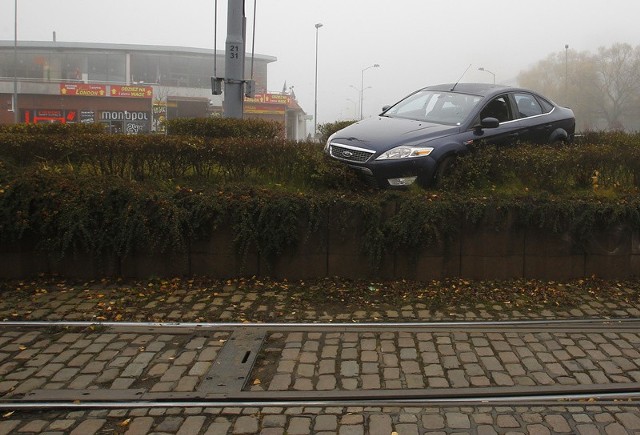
398	172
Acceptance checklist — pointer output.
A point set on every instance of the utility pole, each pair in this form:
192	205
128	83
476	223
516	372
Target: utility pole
14	98
233	105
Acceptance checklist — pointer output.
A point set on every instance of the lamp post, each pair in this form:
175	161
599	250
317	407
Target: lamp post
362	86
486	70
360	92
315	104
566	73
355	107
14	103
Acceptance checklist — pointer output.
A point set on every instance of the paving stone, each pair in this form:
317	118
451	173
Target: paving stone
629	420
457	420
486	430
299	426
218	428
435	421
558	423
191	425
245	425
88	427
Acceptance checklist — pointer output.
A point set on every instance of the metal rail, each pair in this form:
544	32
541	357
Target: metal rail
609	396
227	390
631	324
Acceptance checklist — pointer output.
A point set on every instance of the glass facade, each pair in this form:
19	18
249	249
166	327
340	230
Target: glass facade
192	70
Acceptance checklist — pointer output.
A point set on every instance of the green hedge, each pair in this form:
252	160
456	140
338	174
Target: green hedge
329	128
226	128
79	191
150	157
597	162
63	213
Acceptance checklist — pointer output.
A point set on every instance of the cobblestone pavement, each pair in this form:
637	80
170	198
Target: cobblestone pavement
587	419
51	360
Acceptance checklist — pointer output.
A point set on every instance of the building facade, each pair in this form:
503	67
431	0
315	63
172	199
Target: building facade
130	88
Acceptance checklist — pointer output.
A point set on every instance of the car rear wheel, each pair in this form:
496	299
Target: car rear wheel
559	136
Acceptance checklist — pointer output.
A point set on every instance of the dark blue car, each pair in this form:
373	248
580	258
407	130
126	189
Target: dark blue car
416	139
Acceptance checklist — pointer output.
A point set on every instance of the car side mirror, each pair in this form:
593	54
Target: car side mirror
488	122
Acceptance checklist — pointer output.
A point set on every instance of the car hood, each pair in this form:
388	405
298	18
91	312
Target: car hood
383	133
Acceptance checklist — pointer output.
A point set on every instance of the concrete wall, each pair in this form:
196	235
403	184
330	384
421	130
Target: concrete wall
485	251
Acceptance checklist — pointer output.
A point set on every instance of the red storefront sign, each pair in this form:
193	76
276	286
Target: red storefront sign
132	91
83	89
50	116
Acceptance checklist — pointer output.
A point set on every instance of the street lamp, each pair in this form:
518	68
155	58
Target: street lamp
315	109
362	86
14	103
486	70
566	73
360	92
355	107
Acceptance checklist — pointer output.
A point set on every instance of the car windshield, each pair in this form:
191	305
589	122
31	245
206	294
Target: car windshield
439	107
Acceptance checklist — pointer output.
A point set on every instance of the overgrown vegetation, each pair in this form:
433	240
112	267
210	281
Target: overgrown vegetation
70	191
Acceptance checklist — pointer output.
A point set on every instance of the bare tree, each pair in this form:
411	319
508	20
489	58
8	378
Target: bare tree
618	69
601	87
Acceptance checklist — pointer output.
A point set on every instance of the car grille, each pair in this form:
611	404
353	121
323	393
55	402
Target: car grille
350	154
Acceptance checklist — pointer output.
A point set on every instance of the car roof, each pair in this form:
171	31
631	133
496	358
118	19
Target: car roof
482	89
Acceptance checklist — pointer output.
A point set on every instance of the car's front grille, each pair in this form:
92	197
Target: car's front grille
350	154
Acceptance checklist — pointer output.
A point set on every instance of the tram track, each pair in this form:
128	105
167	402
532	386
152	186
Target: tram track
564	325
226	384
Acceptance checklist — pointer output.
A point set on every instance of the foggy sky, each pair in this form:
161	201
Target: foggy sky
415	42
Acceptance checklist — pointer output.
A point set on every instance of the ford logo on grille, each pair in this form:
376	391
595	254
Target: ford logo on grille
347	153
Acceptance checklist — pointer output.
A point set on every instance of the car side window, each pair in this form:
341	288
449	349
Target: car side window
497	108
527	105
546	106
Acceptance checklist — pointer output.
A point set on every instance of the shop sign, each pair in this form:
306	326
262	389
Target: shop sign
124	115
265	109
270	98
87	116
135	127
50	116
83	90
132	91
159	116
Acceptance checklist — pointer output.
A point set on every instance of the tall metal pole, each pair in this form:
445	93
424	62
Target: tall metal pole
234	66
14	103
315	103
566	73
362	86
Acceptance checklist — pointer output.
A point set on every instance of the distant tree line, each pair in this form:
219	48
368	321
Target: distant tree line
602	88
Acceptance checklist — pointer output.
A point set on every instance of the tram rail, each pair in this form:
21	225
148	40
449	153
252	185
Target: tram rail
591	324
246	340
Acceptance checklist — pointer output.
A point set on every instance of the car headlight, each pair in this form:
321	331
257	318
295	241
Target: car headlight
405	152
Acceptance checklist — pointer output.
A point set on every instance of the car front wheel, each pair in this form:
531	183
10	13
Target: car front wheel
442	170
